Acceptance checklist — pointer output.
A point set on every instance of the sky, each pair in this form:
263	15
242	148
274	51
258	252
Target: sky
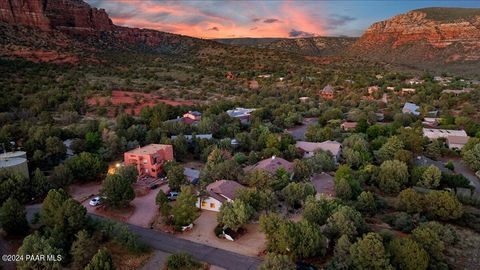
257	18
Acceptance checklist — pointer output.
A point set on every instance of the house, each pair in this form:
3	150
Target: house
411	108
265	76
347	126
309	148
456	139
241	113
271	165
327	92
457	92
149	159
372	89
408	91
68	145
304	99
457	142
414	81
323	184
15	162
196	136
192	116
193	176
380	116
219	192
430	121
390	88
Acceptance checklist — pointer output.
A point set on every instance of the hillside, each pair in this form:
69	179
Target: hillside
314	46
427	39
46	27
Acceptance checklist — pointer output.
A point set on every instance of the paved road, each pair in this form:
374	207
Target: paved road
469	174
170	244
298	132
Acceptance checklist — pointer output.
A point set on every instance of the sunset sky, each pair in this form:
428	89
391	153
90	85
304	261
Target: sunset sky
272	18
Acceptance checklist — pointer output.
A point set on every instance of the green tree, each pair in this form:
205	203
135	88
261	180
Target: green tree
345	221
182	261
176	177
431	177
101	261
430	241
321	162
369	253
86	167
346	187
389	149
444	205
433	150
61	177
40	183
407	254
318	211
55	150
296	193
472	157
393	176
235	214
162	201
410	201
36	245
13	217
185	211
366	202
301	170
117	191
277	262
342	259
82	250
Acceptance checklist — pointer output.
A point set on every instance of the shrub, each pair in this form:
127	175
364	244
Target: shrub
182	261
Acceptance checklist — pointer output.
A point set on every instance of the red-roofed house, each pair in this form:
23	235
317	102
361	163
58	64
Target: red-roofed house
327	92
149	159
219	192
348	126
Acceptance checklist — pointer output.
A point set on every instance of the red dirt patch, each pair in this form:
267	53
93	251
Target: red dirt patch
133	102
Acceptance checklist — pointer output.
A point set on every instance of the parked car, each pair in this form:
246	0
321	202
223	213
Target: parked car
172	195
96	201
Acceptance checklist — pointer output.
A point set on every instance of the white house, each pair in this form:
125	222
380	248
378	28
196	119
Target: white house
218	192
309	148
456	139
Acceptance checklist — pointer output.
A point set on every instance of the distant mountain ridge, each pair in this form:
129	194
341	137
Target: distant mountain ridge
425	38
312	46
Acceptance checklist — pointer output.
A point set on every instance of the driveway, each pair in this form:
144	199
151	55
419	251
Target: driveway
251	244
143	209
298	132
170	244
469	174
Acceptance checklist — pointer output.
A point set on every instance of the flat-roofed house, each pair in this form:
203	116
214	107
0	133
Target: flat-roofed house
309	148
408	91
323	184
241	113
411	108
347	126
219	192
456	139
149	160
457	142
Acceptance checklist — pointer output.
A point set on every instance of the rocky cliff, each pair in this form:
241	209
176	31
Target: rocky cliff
57	25
424	37
69	15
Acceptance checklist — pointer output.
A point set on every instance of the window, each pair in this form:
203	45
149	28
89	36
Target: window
153	170
145	161
204	204
212	205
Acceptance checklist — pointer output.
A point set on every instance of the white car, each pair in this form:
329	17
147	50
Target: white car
96	201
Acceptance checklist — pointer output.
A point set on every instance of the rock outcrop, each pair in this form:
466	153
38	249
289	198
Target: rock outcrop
67	15
425	36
